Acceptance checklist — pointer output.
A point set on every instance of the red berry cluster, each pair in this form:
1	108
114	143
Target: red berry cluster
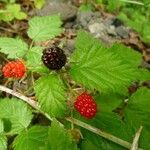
14	69
86	105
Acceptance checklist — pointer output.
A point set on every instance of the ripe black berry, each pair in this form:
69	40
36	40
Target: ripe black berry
54	58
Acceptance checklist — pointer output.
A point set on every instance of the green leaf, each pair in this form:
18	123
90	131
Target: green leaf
137	20
20	15
1	126
3	142
144	75
110	123
17	113
114	5
11	12
96	67
50	92
140	100
108	102
31	139
87	144
137	113
87	7
59	138
39	3
133	57
34	62
44	28
13	47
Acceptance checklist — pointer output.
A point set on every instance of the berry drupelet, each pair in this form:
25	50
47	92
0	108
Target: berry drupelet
54	58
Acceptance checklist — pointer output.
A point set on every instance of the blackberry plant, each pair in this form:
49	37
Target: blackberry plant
85	105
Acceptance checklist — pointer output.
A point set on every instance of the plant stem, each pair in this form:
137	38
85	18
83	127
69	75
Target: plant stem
132	2
136	139
101	133
97	131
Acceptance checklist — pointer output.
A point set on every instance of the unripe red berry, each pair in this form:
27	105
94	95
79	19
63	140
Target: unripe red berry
14	69
86	105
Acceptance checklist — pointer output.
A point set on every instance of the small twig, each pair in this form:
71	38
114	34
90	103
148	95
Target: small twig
97	131
132	2
134	145
24	98
7	30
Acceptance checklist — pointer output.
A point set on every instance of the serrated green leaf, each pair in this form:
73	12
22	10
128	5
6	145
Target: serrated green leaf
3	142
133	57
13	47
11	12
31	139
65	142
44	28
137	114
34	62
50	92
96	67
140	100
17	113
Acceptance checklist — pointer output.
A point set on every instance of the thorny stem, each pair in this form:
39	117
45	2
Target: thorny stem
136	139
97	131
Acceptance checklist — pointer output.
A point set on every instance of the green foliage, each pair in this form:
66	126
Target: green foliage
107	71
39	3
12	11
50	92
34	62
85	7
59	138
127	54
104	70
144	75
108	102
1	126
15	48
8	1
114	5
16	113
109	122
138	21
44	28
137	114
3	142
31	139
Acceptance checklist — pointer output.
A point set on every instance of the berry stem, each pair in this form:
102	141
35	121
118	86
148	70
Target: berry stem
97	131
